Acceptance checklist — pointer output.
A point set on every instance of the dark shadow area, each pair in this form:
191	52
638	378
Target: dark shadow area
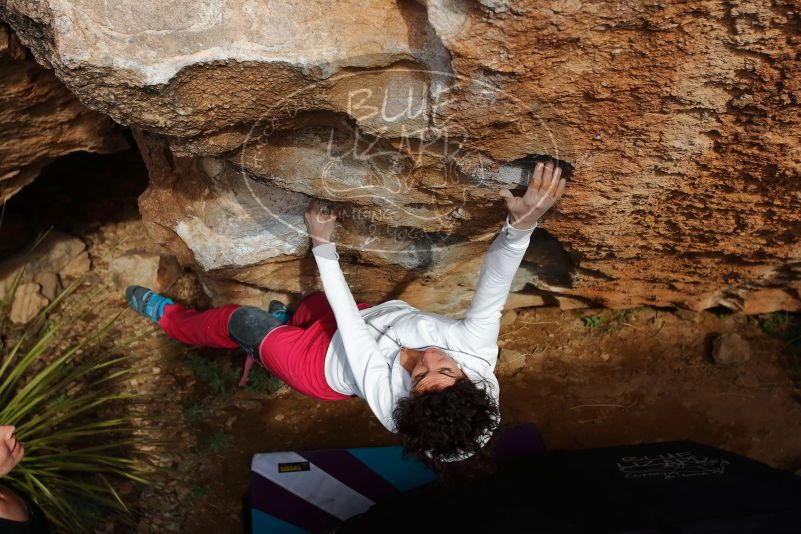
657	488
549	260
551	300
720	311
568	170
247	522
77	193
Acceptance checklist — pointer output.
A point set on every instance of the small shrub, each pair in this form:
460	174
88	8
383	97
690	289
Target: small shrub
786	327
775	324
218	442
195	412
220	380
223	381
593	321
196	493
262	381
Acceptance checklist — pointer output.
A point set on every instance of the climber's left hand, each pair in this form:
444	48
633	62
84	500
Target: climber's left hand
544	189
320	223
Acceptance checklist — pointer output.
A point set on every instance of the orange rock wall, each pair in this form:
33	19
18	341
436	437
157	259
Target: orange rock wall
677	122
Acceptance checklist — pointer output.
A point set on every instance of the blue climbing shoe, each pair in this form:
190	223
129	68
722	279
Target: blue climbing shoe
146	302
279	310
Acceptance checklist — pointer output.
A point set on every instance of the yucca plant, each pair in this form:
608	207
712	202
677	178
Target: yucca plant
61	389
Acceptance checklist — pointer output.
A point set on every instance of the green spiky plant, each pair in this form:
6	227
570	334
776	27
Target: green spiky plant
786	327
60	391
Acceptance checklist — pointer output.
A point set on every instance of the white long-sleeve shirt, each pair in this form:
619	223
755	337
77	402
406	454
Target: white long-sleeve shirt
363	358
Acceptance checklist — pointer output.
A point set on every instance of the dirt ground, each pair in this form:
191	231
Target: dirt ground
586	377
649	378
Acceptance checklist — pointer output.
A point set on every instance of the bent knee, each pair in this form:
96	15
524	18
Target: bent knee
248	325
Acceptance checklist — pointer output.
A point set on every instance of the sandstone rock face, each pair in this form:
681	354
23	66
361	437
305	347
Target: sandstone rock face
142	268
41	120
28	302
730	349
677	122
39	274
49	284
57	253
77	266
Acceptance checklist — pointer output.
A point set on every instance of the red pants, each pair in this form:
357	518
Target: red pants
294	352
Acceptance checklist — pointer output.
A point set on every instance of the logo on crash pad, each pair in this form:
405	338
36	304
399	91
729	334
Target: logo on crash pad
671	465
293	467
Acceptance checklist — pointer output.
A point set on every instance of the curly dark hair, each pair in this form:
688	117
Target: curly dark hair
446	421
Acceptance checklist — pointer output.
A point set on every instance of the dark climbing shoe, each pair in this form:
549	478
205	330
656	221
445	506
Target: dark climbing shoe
279	310
146	302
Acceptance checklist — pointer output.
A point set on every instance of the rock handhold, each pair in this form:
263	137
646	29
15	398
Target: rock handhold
730	349
149	269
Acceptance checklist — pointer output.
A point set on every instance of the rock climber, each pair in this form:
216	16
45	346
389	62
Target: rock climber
428	377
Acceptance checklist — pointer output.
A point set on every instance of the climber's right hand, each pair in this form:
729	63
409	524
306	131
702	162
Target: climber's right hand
544	189
319	223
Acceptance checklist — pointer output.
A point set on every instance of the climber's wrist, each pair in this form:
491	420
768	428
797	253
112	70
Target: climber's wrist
523	223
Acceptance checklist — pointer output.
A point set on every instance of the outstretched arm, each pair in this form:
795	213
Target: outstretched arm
364	356
481	324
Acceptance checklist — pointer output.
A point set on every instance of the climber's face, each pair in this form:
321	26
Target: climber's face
11	450
435	370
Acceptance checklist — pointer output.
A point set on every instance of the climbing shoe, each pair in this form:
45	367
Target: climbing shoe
279	310
146	302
